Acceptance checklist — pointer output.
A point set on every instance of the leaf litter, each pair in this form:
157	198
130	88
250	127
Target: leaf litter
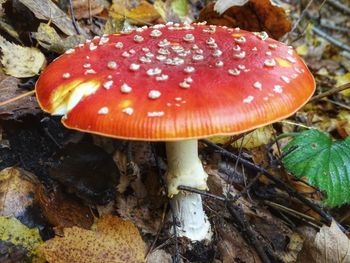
139	195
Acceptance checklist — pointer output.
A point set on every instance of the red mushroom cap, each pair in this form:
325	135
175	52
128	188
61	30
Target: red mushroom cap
174	82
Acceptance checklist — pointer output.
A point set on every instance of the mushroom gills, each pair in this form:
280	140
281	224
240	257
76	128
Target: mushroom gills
67	96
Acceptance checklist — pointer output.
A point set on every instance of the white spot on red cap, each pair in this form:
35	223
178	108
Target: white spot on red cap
138	38
262	35
154	94
87	65
153	71
163	51
217	53
273	46
161	57
236	48
210	41
234	72
70	51
219	63
155	33
248	99
291	60
126	54
189	69
112	65
240	39
277	89
257	85
92	46
125	88
188	38
240	55
163	43
103	40
162	77
270	62
188	79
66	75
269	53
119	45
89	71
134	67
184	85
128	110
285	79
103	111
197	57
108	84
155	113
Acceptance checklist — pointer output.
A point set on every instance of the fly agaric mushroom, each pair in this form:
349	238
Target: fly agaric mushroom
176	83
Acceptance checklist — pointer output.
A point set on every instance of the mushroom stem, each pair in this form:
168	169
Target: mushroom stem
185	168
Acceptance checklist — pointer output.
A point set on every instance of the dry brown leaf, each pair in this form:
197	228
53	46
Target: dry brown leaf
21	62
113	240
63	210
256	15
47	10
8	90
330	245
48	38
87	8
138	14
17	188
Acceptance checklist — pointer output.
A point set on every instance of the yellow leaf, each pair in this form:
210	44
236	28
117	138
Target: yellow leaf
256	138
142	14
220	139
13	231
112	240
302	50
21	62
341	80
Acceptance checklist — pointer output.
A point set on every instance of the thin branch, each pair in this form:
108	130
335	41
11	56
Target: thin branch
330	39
341	7
74	22
247	231
330	92
279	183
201	192
26	94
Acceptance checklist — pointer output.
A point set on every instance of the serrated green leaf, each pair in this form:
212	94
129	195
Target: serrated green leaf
324	162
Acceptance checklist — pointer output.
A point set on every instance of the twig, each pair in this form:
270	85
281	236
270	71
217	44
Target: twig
294	213
341	7
328	25
74	22
176	257
247	231
330	39
279	183
26	94
330	92
302	15
201	192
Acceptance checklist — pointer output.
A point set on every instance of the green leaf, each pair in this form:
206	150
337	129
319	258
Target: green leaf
324	162
180	7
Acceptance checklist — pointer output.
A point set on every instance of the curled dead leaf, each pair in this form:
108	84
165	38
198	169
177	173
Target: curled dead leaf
21	62
112	240
256	15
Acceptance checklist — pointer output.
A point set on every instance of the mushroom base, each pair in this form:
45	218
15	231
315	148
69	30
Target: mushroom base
185	168
192	222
